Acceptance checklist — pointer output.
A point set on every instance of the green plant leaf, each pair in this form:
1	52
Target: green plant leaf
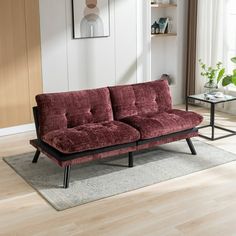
220	75
234	79
227	80
234	72
233	59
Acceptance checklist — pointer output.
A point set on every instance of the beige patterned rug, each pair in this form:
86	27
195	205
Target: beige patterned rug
108	177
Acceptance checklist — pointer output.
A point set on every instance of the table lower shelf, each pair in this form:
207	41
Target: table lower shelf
212	138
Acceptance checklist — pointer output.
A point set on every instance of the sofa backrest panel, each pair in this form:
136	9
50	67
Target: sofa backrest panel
137	99
70	109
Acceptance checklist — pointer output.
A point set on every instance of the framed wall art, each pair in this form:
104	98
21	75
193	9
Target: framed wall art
91	18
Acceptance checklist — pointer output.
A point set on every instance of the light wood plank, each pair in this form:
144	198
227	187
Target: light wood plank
20	60
33	50
14	87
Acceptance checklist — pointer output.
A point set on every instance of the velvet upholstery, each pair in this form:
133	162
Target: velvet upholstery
74	122
91	136
97	156
71	109
102	155
166	140
139	99
161	123
88	158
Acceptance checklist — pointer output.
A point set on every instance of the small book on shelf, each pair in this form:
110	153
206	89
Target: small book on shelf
163	25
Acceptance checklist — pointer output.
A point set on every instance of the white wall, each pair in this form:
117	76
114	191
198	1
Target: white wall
73	64
122	58
168	54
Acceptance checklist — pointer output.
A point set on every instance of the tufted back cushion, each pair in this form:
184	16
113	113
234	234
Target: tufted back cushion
70	109
137	99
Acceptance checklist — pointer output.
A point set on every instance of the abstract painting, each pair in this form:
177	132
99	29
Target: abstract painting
91	18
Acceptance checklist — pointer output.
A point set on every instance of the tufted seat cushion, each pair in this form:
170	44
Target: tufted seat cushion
157	124
91	136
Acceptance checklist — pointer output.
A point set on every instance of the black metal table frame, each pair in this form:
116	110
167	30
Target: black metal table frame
212	120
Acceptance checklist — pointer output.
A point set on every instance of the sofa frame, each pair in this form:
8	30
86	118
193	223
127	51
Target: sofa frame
52	153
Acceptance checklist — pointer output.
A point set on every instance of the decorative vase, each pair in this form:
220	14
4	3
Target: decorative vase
210	87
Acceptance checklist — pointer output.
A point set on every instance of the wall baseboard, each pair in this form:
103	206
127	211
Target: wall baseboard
17	129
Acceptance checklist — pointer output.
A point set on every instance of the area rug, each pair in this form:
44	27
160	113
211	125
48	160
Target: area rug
109	177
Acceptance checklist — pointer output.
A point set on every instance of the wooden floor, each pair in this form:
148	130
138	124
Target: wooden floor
202	203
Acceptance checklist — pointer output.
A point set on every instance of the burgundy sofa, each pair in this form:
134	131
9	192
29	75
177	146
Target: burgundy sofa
77	127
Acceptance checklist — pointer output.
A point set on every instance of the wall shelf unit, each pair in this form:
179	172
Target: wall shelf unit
169	11
167	55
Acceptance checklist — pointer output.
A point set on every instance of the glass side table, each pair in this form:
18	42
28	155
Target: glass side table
213	102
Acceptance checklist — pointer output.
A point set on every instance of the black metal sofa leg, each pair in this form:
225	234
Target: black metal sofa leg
131	159
36	156
191	147
66	180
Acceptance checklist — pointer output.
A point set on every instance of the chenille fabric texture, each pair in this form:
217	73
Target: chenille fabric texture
157	124
74	122
71	109
148	108
91	136
139	99
65	162
79	121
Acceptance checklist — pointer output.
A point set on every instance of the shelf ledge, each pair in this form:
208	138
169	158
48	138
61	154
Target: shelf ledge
161	5
164	35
